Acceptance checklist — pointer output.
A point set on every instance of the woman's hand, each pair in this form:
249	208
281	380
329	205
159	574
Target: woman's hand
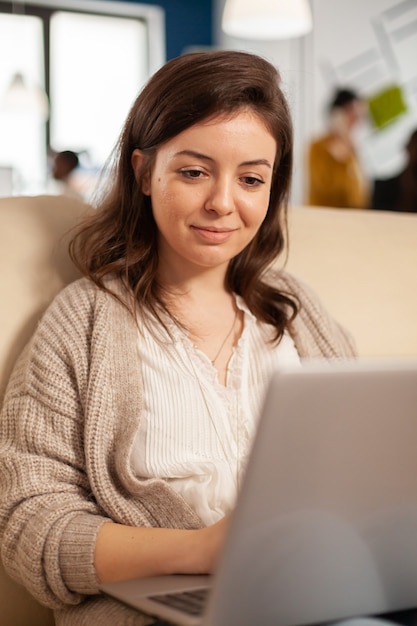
212	542
123	552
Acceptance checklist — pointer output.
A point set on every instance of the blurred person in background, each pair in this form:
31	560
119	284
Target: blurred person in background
63	166
64	163
399	193
335	175
71	174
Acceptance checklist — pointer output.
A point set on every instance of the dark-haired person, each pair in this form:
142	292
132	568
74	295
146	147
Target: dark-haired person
399	193
65	173
64	163
335	175
128	418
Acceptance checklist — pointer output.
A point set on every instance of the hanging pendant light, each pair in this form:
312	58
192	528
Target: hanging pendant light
20	98
267	19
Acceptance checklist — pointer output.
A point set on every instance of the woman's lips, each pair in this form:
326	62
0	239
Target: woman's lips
212	234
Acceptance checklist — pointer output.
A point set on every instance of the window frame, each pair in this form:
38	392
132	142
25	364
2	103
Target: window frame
153	15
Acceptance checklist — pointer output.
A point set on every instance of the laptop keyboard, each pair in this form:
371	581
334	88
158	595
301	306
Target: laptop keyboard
192	602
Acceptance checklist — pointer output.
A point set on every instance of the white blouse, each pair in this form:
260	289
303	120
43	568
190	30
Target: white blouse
195	432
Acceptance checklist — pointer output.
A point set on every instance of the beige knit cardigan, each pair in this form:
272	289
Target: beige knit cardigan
69	418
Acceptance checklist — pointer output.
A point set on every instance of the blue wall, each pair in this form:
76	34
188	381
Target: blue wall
188	23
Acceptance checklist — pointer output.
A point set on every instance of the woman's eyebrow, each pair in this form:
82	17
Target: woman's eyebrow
194	153
258	162
200	155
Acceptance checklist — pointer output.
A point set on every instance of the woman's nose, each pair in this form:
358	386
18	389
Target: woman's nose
220	198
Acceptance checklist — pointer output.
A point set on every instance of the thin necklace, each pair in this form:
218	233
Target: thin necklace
233	467
188	361
213	360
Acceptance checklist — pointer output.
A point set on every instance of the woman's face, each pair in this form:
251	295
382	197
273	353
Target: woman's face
209	189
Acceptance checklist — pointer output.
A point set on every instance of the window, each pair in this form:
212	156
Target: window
92	58
98	64
22	145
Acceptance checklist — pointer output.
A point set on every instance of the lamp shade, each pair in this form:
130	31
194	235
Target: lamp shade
21	99
267	19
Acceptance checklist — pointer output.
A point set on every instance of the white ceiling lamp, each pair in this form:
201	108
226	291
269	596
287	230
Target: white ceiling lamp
23	99
19	97
267	19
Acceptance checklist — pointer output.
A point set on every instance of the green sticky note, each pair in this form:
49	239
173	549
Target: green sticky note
386	105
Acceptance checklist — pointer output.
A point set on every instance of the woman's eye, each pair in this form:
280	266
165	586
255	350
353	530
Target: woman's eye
252	181
192	173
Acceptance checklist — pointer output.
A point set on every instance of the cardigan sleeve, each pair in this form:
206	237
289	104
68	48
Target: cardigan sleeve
48	519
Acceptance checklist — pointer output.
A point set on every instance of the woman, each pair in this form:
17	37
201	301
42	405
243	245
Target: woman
128	417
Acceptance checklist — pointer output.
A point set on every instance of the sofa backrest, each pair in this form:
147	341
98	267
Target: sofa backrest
34	265
363	265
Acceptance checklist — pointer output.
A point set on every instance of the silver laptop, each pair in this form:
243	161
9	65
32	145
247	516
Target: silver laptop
325	527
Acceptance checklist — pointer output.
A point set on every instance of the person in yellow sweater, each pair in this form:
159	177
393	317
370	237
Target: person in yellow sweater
335	176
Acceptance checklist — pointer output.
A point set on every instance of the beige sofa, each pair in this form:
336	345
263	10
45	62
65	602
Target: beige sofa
34	265
362	264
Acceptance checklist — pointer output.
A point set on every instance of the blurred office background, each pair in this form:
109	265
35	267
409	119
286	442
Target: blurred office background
70	70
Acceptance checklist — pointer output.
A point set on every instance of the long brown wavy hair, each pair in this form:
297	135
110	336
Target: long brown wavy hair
120	237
